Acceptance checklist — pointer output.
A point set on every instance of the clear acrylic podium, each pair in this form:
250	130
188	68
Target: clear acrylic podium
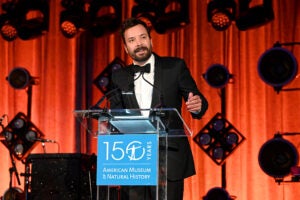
129	143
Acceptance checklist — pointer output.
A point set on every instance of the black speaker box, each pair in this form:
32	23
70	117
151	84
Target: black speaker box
61	177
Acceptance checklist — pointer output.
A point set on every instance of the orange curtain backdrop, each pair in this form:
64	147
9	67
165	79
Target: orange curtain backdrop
66	68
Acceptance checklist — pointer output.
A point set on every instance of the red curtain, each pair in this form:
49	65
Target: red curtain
67	67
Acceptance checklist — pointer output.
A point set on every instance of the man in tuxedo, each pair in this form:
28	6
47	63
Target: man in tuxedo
158	81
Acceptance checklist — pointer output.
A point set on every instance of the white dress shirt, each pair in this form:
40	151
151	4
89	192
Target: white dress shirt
143	90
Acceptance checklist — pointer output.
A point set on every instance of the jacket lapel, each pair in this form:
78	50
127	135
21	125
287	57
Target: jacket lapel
156	93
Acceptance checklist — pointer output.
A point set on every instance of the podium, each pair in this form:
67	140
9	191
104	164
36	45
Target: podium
132	147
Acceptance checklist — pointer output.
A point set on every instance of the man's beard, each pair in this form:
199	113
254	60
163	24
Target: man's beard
143	58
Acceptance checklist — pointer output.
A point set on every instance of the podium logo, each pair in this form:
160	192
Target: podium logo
135	150
129	159
126	148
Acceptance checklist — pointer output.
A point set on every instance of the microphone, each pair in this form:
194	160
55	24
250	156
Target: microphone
157	108
44	140
161	97
105	96
31	136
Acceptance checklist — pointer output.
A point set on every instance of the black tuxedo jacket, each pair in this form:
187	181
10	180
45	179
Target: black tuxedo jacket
172	82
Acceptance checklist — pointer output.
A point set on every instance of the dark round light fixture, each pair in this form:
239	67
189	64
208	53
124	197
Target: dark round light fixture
217	193
277	67
20	136
277	156
217	76
19	78
218	139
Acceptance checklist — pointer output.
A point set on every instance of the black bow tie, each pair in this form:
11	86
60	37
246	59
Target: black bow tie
141	69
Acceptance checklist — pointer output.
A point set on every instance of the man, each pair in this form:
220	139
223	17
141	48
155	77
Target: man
167	82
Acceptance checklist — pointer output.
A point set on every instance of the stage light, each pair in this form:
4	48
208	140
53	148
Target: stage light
8	26
9	32
221	13
20	136
277	67
217	76
217	193
277	157
14	193
171	16
33	18
106	16
103	80
25	19
218	139
254	17
164	16
72	19
20	78
205	139
145	10
232	138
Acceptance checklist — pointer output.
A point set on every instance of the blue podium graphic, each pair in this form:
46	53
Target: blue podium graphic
127	159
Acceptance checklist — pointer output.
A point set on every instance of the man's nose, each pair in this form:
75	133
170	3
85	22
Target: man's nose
139	42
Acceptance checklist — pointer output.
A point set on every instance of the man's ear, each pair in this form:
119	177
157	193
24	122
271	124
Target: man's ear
125	47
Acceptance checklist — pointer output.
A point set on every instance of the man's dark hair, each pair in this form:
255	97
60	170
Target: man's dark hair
131	22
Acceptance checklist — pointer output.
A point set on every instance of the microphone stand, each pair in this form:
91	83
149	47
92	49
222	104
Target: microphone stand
29	97
223	111
12	170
